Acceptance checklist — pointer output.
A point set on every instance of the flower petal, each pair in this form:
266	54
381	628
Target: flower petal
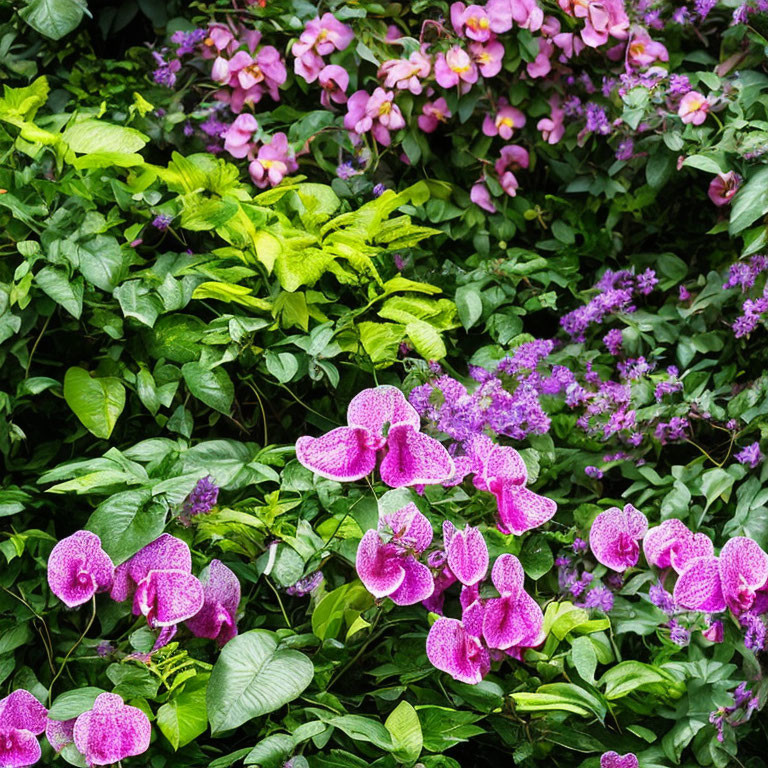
20	709
18	748
468	555
343	454
168	597
507	575
417	584
217	619
520	509
78	568
409	526
413	458
512	622
743	570
379	566
377	407
698	587
451	649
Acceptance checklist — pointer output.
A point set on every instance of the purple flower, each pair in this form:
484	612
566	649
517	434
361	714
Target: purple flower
201	500
613	341
457	649
217	619
306	585
350	453
160	580
162	221
646	281
754	638
615	760
661	598
750	455
379	190
387	561
594	472
22	719
346	171
599	597
78	568
673	544
579	545
165	74
111	731
60	733
466	553
614	535
679	634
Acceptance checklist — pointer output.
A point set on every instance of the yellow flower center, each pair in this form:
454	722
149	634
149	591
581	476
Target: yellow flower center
385	108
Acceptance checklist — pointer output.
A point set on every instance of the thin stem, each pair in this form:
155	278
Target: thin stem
280	603
34	346
73	648
47	642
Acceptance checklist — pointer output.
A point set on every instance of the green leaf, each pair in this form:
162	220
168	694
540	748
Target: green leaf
73	703
564	697
53	18
55	282
253	677
328	616
184	717
584	658
282	365
404	727
469	304
443	728
426	340
536	557
212	387
96	402
750	202
138	302
363	729
628	676
92	136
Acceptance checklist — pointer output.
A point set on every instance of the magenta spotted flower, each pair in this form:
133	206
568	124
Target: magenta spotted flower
387	558
466	553
217	619
514	619
111	731
78	568
737	580
673	544
614	537
456	647
615	760
60	733
22	720
382	424
159	578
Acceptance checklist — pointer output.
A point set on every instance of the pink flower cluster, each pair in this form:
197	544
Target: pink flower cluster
159	580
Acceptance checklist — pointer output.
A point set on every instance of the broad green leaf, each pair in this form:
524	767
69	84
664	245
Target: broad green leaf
57	285
53	18
73	703
282	365
404	728
443	727
96	402
184	717
584	658
628	676
253	677
96	136
426	340
212	387
750	202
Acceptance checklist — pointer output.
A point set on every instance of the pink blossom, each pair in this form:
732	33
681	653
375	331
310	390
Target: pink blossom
602	19
693	108
334	80
248	75
60	733
160	580
514	619
22	719
237	138
273	162
408	457
376	113
320	37
432	114
571	45
480	195
406	74
455	68
714	632
78	568
217	619
457	649
488	57
111	731
643	51
614	536
387	558
308	65
503	13
552	128
512	158
504	123
723	187
615	760
471	21
219	37
466	553
673	544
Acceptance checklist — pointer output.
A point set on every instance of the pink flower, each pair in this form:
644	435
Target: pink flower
217	619
455	68
736	580
406	74
249	74
408	457
60	733
334	80
111	731
480	195
514	619
503	473
78	568
512	158
673	544
504	123
503	13
308	65
432	114
387	561
643	51
273	162
456	647
160	580
219	37
22	719
376	113
488	57
237	138
602	19
615	760
714	632
541	65
320	37
723	187
614	535
471	21
569	44
466	553
552	128
693	108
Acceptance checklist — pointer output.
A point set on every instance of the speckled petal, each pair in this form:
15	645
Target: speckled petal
168	597
698	587
375	408
413	458
60	733
18	748
343	454
468	556
379	565
743	570
452	649
78	568
520	509
508	575
217	619
409	527
20	709
417	584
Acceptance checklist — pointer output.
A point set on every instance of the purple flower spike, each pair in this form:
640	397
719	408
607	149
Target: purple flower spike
614	535
22	719
698	587
743	572
467	555
78	568
453	649
217	619
381	421
160	580
111	731
60	733
615	760
387	558
504	475
514	619
673	544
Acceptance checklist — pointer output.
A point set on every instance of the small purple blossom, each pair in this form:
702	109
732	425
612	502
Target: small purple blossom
306	585
679	634
750	455
613	341
201	500
162	221
593	472
599	598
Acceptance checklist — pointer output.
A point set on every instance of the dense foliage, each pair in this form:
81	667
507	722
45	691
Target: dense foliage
383	384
